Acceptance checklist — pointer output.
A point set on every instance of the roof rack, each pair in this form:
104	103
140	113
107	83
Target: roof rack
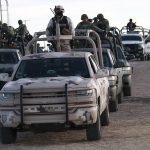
96	51
137	30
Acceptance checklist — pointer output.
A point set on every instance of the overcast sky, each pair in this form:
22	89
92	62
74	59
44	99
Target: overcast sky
37	13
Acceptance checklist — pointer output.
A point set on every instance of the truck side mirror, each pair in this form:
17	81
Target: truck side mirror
119	64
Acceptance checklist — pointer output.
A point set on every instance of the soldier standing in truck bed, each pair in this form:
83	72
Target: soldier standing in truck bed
66	28
86	24
102	22
131	25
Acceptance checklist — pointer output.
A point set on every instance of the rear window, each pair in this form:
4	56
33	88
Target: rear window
8	58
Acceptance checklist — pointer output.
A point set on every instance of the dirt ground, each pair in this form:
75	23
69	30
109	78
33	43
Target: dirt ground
129	128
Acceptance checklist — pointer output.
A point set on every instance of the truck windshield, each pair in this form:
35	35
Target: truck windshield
52	67
106	60
131	38
8	58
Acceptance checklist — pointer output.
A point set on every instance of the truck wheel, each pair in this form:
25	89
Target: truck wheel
93	131
142	58
120	97
127	91
113	105
8	135
105	117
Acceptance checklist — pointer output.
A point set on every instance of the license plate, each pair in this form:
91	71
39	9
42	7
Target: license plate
44	108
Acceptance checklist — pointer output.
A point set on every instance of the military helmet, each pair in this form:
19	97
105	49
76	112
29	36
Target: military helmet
95	18
58	9
100	16
84	16
4	25
20	21
130	19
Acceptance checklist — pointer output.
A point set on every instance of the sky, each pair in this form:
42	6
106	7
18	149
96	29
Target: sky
36	13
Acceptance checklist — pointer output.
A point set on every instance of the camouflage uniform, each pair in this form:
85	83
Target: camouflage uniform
130	25
85	24
6	36
66	28
102	22
22	30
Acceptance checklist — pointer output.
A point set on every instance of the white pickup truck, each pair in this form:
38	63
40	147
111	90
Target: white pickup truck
55	90
147	47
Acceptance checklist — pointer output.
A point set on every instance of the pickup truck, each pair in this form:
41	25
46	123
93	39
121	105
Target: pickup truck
55	91
147	47
8	60
115	79
133	43
120	61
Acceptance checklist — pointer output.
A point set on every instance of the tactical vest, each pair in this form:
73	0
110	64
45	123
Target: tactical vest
84	25
103	24
22	30
63	23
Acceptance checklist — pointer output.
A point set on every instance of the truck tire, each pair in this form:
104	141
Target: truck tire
113	105
120	97
105	117
8	135
93	131
127	91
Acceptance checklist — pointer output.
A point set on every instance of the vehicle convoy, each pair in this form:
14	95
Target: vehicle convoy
115	72
55	91
120	69
121	61
8	60
115	79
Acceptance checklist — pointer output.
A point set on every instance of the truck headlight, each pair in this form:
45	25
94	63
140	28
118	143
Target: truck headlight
86	92
6	96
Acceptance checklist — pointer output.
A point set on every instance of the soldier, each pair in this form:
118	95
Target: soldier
66	28
95	20
22	29
130	25
6	35
86	24
21	32
102	22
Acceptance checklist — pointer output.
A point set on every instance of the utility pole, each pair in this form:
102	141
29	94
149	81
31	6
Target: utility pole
1	11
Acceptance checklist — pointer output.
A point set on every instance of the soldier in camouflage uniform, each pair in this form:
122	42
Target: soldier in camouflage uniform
102	22
65	25
86	24
131	25
6	36
21	32
22	29
95	20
